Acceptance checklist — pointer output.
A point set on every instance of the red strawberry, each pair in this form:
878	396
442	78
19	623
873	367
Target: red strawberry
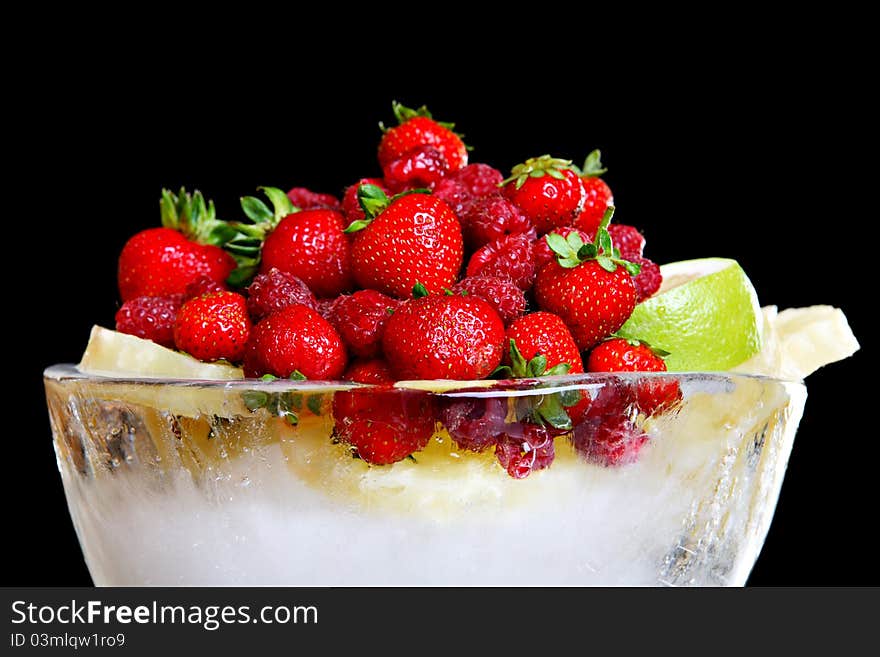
385	427
490	218
351	206
510	257
587	286
540	344
295	339
622	355
213	327
548	191
417	128
541	251
414	238
274	290
151	318
500	293
597	195
162	261
444	337
306	199
360	320
375	371
421	167
312	246
546	334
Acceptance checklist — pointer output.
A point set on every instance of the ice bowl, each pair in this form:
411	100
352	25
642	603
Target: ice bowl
182	482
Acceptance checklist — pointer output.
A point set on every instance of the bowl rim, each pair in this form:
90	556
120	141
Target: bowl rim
65	372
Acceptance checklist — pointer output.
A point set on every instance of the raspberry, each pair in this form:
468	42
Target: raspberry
325	306
649	279
596	200
151	318
627	239
420	167
351	207
542	253
500	293
274	290
492	217
454	194
374	371
510	257
360	320
529	449
461	188
479	179
607	435
201	286
474	424
306	199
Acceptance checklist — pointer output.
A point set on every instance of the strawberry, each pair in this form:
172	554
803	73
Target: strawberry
540	344
351	206
360	320
375	371
409	239
295	339
444	337
151	318
589	286
417	128
213	327
622	355
545	334
384	428
548	191
310	244
597	195
305	199
160	262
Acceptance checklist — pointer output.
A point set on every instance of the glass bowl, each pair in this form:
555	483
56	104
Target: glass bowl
176	482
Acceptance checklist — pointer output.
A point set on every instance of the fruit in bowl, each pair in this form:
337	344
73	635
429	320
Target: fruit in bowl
445	377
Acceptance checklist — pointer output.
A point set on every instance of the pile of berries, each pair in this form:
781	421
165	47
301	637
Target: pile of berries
438	269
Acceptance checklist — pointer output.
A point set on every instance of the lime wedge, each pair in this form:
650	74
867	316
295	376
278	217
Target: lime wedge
706	315
111	353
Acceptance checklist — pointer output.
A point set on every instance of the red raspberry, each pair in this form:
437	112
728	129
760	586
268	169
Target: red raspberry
542	253
597	199
151	318
306	199
530	448
274	290
649	279
360	320
461	188
420	167
325	306
201	286
500	293
375	371
490	218
627	239
607	436
510	257
351	207
479	179
474	424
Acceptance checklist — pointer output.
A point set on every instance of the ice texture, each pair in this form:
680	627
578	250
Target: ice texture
203	497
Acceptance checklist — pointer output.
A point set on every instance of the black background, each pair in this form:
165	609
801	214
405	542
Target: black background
759	157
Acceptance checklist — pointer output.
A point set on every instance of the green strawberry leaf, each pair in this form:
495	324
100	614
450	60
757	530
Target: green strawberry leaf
372	201
296	375
558	370
593	165
537	365
552	411
558	244
606	263
587	252
314	403
280	202
256	210
574	240
255	399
